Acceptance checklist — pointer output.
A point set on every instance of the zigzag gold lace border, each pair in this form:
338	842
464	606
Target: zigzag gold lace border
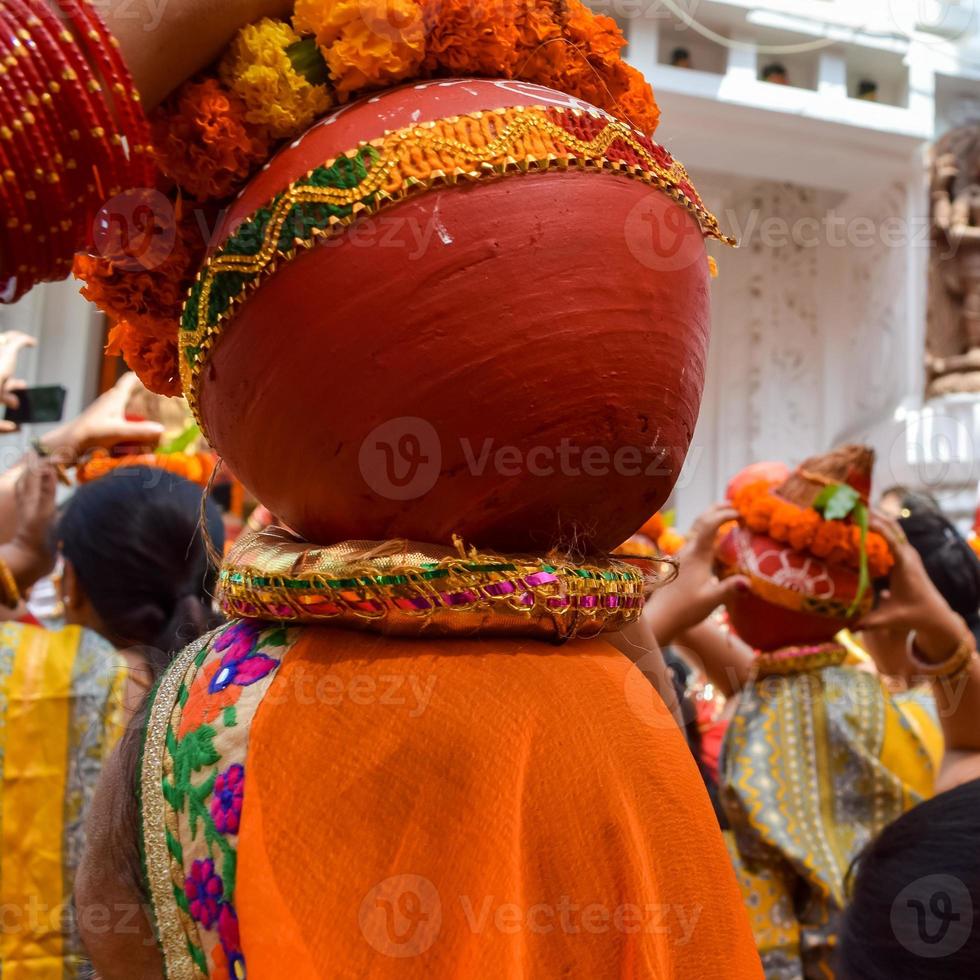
521	140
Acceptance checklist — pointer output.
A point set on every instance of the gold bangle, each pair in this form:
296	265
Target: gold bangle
952	666
9	593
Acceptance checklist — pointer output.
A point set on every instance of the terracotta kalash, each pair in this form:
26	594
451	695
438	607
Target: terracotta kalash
804	545
454	337
484	377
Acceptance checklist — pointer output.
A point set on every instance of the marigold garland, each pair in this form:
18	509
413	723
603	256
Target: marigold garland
216	131
144	300
196	467
803	529
204	142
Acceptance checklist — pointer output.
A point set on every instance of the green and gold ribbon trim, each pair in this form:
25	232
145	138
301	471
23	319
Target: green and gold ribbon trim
409	161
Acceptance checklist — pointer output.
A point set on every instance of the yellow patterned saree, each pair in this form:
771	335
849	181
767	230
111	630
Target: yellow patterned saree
819	758
61	696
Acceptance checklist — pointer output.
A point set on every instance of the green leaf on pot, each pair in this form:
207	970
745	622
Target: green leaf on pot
180	443
837	501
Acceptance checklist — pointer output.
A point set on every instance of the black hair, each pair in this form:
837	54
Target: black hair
134	543
949	561
776	68
915	892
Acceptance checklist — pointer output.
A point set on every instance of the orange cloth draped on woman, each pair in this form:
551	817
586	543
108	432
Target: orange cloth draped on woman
457	808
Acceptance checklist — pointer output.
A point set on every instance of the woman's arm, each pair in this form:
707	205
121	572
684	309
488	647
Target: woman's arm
726	660
103	423
695	593
913	603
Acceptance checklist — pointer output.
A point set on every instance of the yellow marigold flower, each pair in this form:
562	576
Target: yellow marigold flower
258	70
366	43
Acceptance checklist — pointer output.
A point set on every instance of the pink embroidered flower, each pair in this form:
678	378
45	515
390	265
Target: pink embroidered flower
230	941
204	890
240	665
226	807
239	639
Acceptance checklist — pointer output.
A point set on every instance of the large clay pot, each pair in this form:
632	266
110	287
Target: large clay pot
768	625
511	360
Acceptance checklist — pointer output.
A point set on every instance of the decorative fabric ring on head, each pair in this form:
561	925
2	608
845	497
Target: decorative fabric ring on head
406	589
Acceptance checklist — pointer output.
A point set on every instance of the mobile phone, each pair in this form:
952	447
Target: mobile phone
43	404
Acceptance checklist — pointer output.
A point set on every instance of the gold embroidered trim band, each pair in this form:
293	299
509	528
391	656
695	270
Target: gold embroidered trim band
405	589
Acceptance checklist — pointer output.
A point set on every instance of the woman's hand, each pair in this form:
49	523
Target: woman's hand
912	602
29	555
102	425
696	592
11	344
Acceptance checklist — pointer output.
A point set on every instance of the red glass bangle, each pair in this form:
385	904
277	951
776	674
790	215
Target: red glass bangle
51	193
79	81
48	54
58	198
102	46
22	247
76	82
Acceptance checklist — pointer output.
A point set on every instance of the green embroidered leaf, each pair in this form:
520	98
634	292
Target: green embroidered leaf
173	796
200	960
230	716
175	847
837	501
182	899
197	805
193	752
272	638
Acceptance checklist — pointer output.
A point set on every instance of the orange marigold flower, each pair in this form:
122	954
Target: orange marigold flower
804	530
758	517
537	30
880	558
825	539
597	35
637	104
784	518
654	527
366	43
671	542
196	467
153	356
470	37
203	141
145	295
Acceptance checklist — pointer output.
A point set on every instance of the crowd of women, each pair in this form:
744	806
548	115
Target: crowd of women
871	873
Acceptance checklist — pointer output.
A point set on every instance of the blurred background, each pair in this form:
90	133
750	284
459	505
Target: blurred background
839	140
